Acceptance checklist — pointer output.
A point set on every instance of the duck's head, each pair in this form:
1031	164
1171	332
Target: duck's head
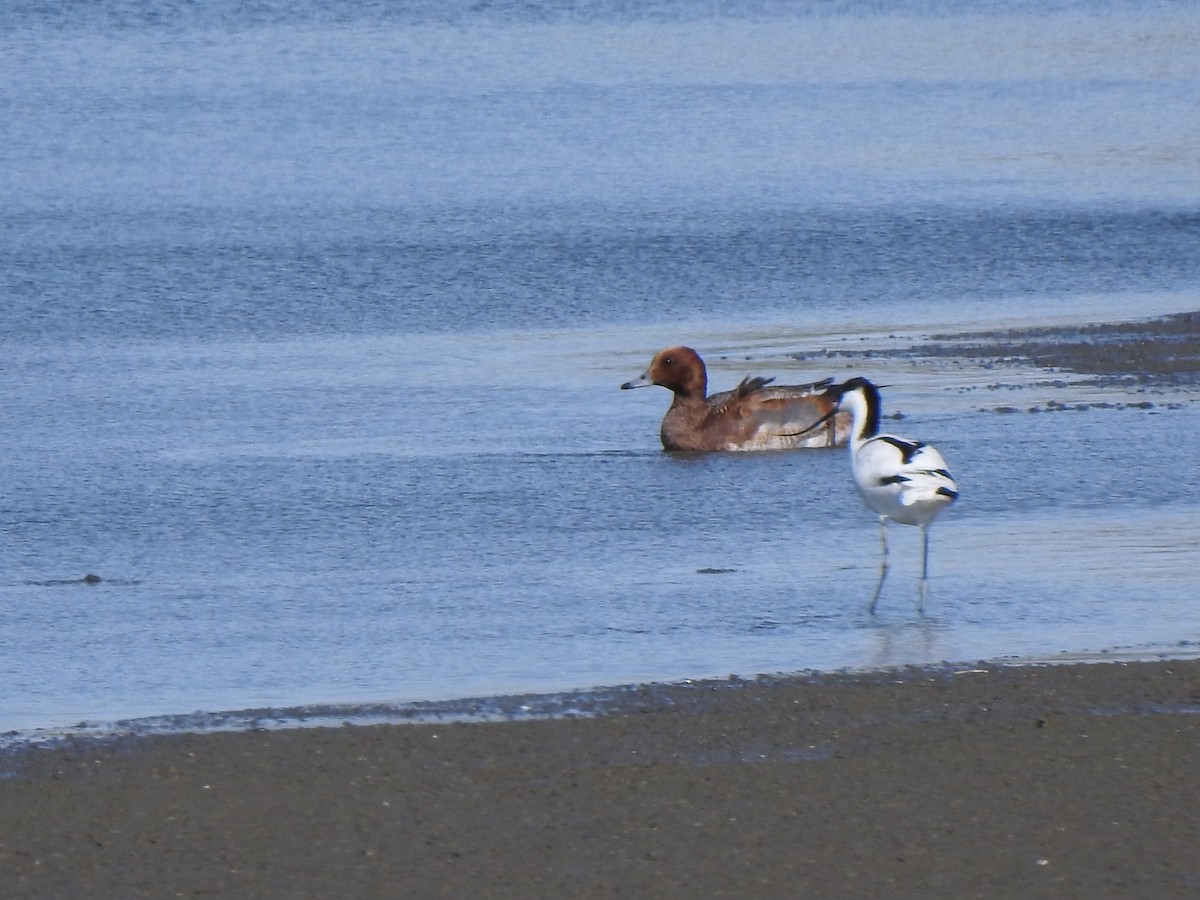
679	369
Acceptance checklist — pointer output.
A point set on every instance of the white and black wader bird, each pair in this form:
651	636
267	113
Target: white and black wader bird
902	480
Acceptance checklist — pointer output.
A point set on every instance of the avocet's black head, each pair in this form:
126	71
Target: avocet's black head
837	391
867	408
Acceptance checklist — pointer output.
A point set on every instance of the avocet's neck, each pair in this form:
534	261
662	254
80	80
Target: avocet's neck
862	402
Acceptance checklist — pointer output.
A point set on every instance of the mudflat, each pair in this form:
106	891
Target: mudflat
1162	351
990	781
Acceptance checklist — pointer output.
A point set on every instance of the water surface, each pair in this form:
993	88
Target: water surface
314	315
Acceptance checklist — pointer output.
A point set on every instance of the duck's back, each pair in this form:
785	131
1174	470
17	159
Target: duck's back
753	416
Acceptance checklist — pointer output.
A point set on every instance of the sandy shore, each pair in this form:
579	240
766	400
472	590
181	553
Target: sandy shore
1041	781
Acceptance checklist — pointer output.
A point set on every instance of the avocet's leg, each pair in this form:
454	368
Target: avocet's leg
883	564
924	587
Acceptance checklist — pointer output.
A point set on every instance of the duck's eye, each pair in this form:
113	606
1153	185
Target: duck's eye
668	361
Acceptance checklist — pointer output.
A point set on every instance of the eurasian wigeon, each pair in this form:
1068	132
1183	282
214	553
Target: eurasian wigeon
753	416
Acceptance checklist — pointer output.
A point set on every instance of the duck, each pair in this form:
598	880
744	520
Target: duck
899	479
755	415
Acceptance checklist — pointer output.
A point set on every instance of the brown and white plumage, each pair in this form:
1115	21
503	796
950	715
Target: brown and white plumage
755	415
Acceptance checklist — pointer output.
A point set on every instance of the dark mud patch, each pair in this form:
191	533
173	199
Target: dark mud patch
1055	406
90	578
1162	352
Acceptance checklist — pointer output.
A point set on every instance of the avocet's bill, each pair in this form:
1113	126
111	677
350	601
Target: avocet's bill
898	478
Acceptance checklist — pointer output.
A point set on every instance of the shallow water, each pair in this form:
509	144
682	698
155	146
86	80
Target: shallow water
313	324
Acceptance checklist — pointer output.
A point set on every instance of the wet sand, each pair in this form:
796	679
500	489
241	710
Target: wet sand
962	781
1049	781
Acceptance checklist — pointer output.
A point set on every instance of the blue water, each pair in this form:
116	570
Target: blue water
312	317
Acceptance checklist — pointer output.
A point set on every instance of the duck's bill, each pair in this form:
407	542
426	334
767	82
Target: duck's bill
642	380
